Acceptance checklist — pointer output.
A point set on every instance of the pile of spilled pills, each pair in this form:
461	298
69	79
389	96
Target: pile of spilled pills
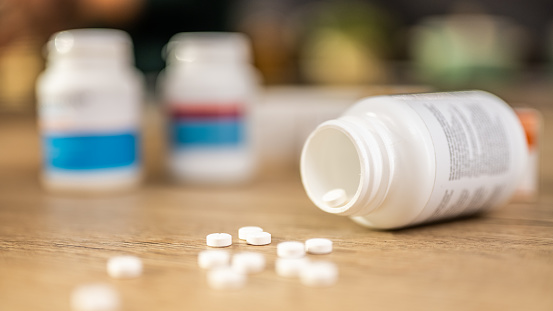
224	271
231	272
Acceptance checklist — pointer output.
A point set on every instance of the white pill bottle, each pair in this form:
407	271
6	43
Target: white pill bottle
409	159
208	87
89	100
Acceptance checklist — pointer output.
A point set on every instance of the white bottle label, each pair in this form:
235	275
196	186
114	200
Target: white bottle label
479	147
89	112
85	132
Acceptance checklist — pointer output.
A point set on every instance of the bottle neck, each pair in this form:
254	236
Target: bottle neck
347	153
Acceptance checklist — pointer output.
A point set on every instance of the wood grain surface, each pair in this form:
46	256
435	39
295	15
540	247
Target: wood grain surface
50	243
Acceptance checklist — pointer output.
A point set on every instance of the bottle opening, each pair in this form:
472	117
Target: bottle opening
331	169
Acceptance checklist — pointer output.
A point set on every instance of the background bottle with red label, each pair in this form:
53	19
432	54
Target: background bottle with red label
208	88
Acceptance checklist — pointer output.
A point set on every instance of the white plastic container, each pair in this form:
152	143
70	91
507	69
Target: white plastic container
409	159
89	112
208	87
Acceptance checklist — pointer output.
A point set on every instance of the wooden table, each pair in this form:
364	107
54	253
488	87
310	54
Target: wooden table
51	243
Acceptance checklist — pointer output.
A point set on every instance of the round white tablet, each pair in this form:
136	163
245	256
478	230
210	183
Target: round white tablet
213	258
318	274
335	197
248	262
124	267
290	267
95	297
219	239
318	246
244	231
259	238
225	278
291	249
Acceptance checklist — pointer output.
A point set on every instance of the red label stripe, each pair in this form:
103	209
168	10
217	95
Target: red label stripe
206	111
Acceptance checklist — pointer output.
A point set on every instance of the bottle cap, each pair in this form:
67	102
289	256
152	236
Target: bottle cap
208	47
90	43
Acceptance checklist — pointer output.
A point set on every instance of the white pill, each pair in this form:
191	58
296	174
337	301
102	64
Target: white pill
318	274
225	278
219	239
318	246
210	259
290	249
335	197
248	262
290	267
124	267
259	238
244	231
95	297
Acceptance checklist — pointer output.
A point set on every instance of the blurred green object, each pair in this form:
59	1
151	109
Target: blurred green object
345	42
460	51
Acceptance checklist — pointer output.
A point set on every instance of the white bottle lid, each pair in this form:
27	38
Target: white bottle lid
189	47
91	43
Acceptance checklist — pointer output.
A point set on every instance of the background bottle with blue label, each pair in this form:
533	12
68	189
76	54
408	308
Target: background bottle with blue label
208	88
89	112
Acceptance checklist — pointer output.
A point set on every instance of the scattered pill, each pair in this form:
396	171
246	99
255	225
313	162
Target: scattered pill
219	240
319	274
259	238
335	197
290	262
290	249
210	259
244	231
124	267
95	297
248	262
290	267
318	246
225	278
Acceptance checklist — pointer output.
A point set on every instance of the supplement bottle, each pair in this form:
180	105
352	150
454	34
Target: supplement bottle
89	112
396	161
208	87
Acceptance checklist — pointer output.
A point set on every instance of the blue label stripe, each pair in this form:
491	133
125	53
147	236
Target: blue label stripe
207	132
89	152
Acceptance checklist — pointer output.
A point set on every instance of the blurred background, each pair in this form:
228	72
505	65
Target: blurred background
338	51
446	44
